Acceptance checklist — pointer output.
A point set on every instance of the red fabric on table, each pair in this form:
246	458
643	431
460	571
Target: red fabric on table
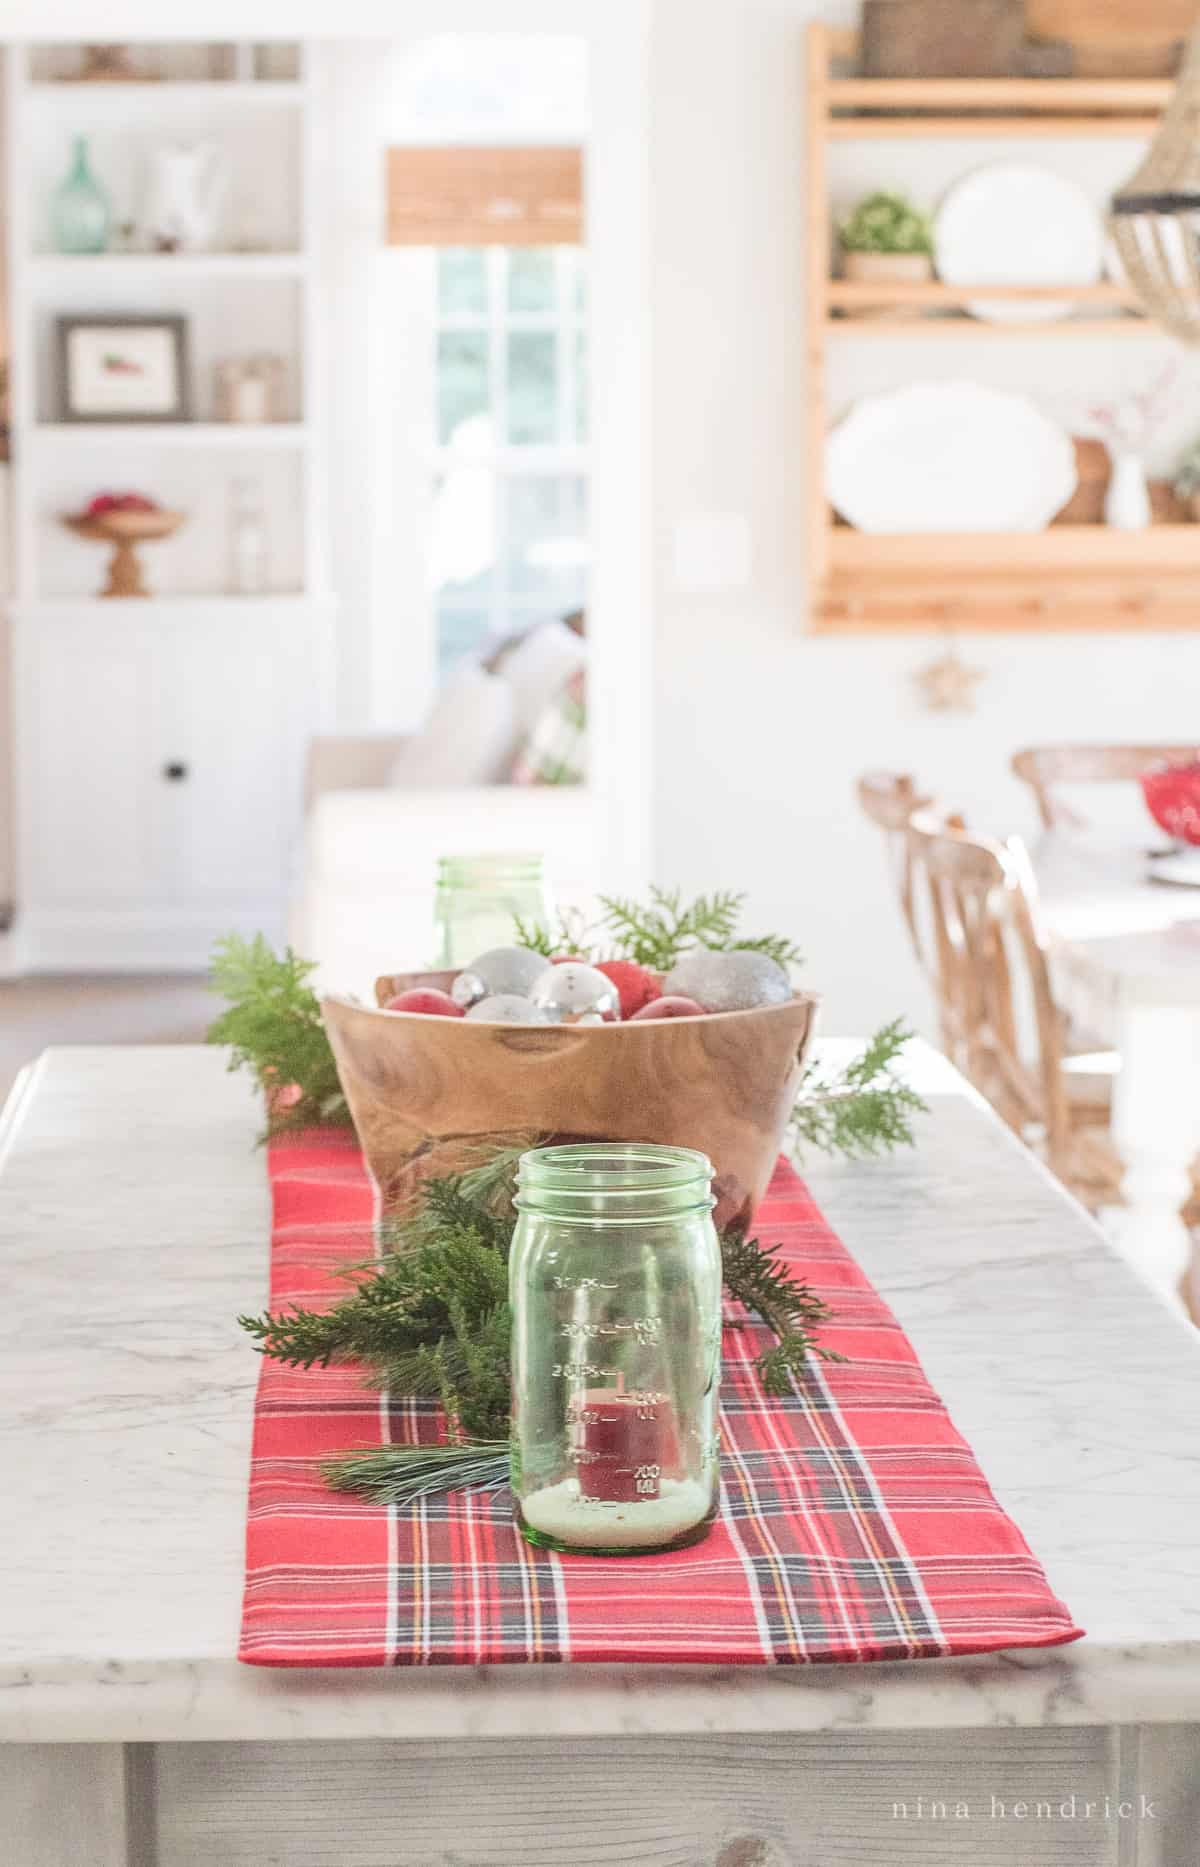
854	1525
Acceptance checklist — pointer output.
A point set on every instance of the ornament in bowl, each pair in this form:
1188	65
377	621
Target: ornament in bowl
1172	794
705	1053
124	521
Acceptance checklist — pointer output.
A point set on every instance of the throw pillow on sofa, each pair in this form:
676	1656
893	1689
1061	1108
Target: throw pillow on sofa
469	737
556	750
536	667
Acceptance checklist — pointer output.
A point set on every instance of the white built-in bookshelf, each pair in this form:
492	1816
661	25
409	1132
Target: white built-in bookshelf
122	861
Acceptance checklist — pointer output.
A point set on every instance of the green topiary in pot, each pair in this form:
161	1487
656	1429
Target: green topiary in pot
887	239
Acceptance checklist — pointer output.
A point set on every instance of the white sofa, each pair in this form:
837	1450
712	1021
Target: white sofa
364	898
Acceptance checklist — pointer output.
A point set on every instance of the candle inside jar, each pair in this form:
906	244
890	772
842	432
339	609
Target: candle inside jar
623	1443
627	1492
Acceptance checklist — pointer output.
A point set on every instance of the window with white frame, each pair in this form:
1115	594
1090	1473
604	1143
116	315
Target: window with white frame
509	536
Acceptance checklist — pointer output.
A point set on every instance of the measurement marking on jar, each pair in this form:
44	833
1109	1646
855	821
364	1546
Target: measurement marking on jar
645	1330
582	1283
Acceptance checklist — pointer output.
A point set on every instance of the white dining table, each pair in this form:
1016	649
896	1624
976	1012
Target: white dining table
1125	959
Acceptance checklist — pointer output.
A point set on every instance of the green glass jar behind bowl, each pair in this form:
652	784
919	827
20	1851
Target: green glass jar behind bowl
615	1288
478	898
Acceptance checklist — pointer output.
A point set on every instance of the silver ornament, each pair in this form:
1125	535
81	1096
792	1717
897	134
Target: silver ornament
504	969
735	981
575	992
509	1008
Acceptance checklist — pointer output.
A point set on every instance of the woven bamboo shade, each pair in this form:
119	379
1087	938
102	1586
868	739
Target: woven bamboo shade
1155	219
484	197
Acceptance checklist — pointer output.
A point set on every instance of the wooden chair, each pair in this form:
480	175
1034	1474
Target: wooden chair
889	799
1044	767
991	958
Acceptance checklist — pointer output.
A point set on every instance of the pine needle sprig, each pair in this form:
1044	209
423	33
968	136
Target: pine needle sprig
272	1025
406	1474
864	1110
790	1309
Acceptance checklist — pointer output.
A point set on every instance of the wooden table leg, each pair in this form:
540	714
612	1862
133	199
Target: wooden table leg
69	1805
1156	1126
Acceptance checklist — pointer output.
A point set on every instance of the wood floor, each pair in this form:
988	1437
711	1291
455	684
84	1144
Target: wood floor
35	1013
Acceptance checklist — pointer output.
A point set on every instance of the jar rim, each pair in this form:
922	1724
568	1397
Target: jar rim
624	1172
502	862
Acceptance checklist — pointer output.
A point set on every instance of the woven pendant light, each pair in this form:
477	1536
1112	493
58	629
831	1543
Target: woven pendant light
1155	219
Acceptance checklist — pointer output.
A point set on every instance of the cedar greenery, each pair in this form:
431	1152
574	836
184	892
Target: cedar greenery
273	1026
862	1110
657	932
431	1319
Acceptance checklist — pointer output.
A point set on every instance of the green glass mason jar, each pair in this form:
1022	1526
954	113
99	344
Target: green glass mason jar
615	1288
477	899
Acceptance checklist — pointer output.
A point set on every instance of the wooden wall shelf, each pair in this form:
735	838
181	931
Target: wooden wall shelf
1067	577
912	324
935	294
1029	97
1024	124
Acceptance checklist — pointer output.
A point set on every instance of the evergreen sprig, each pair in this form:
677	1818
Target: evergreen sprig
405	1474
863	1110
431	1319
656	932
273	1026
792	1312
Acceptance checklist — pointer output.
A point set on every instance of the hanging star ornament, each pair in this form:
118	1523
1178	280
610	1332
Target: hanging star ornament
947	685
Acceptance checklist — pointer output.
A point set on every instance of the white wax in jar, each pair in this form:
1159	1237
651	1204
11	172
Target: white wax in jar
559	1511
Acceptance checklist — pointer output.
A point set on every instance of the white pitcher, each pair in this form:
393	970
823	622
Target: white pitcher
184	197
1127	502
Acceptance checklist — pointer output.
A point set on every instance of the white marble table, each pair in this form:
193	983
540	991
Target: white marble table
1127	966
133	1226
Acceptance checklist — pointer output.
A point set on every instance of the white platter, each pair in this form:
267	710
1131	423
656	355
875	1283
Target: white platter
1181	869
949	457
1015	224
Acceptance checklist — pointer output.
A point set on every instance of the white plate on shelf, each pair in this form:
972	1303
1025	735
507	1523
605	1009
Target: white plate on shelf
949	457
1181	868
1015	224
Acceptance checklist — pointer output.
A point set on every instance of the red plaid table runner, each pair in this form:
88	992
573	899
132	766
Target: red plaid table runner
854	1525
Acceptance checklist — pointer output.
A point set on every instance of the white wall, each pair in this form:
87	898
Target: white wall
760	731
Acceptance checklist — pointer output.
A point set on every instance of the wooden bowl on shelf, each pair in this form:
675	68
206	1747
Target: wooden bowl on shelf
124	531
425	1092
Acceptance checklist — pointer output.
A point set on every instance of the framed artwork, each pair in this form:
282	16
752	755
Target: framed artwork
123	369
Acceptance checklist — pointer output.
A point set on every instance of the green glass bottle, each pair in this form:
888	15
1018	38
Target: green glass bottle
81	208
615	1290
479	897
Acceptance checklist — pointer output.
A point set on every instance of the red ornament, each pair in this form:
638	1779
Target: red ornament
1172	794
675	1006
427	1000
636	985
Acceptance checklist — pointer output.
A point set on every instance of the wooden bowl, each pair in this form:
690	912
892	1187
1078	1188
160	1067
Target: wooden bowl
424	1092
124	527
124	531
